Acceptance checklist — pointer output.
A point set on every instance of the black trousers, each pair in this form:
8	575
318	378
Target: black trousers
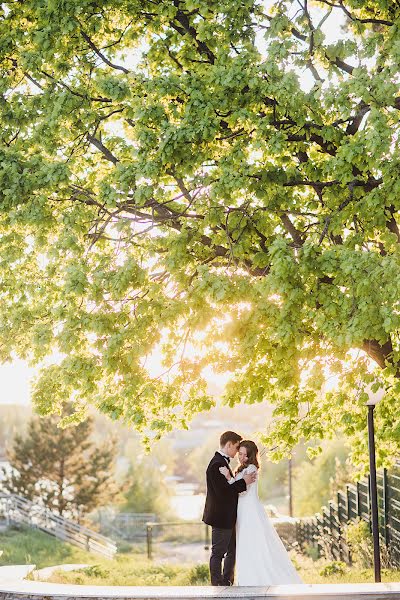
223	548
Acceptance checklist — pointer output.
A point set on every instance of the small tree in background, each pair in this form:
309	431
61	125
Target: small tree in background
63	469
145	489
325	474
146	492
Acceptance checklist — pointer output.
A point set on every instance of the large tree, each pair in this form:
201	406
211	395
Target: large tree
61	469
214	179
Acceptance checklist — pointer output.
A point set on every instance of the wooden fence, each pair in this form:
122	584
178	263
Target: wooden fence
326	530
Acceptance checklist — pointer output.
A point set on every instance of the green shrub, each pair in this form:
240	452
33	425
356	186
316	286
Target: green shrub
94	571
199	575
359	540
333	568
312	551
124	547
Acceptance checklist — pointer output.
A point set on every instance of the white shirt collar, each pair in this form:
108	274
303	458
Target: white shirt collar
223	454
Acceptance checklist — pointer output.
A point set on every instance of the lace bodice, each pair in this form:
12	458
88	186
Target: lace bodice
252	488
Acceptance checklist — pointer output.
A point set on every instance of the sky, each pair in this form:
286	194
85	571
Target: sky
14	382
15	377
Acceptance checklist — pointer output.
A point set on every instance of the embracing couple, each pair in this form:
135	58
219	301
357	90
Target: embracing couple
241	531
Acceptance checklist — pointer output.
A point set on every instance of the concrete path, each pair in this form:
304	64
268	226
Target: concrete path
166	552
32	590
14	587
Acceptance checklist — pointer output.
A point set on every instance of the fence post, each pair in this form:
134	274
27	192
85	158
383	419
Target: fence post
348	509
149	534
358	499
386	506
299	533
339	515
8	509
331	527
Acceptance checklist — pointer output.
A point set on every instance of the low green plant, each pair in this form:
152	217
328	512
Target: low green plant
199	575
359	540
124	547
131	569
333	568
312	551
95	571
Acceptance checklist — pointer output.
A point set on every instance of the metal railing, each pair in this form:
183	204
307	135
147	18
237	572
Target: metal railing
20	510
130	527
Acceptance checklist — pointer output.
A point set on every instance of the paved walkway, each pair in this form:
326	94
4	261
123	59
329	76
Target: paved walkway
14	587
180	553
32	590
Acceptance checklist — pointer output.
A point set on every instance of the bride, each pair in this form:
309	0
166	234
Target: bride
261	558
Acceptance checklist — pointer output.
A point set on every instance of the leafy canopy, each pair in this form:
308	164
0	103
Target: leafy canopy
216	180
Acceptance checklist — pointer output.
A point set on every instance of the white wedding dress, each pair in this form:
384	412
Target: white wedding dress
261	558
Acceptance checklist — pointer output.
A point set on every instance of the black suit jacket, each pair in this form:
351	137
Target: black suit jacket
222	498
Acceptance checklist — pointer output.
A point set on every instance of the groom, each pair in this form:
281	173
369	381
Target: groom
221	507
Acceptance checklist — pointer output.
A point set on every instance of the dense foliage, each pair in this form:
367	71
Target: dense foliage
218	181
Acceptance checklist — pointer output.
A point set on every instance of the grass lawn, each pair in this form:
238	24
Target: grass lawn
324	571
27	546
130	570
30	546
134	570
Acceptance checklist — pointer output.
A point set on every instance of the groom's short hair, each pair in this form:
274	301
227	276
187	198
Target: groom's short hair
229	436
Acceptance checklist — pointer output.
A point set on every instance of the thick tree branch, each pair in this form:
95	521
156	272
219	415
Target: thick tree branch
186	28
391	223
380	353
291	229
100	146
101	55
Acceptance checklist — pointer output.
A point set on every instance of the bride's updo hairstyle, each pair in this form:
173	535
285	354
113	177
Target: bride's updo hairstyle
252	455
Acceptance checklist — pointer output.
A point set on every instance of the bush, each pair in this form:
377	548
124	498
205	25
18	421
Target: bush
199	575
333	568
124	547
94	571
312	551
134	570
359	540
